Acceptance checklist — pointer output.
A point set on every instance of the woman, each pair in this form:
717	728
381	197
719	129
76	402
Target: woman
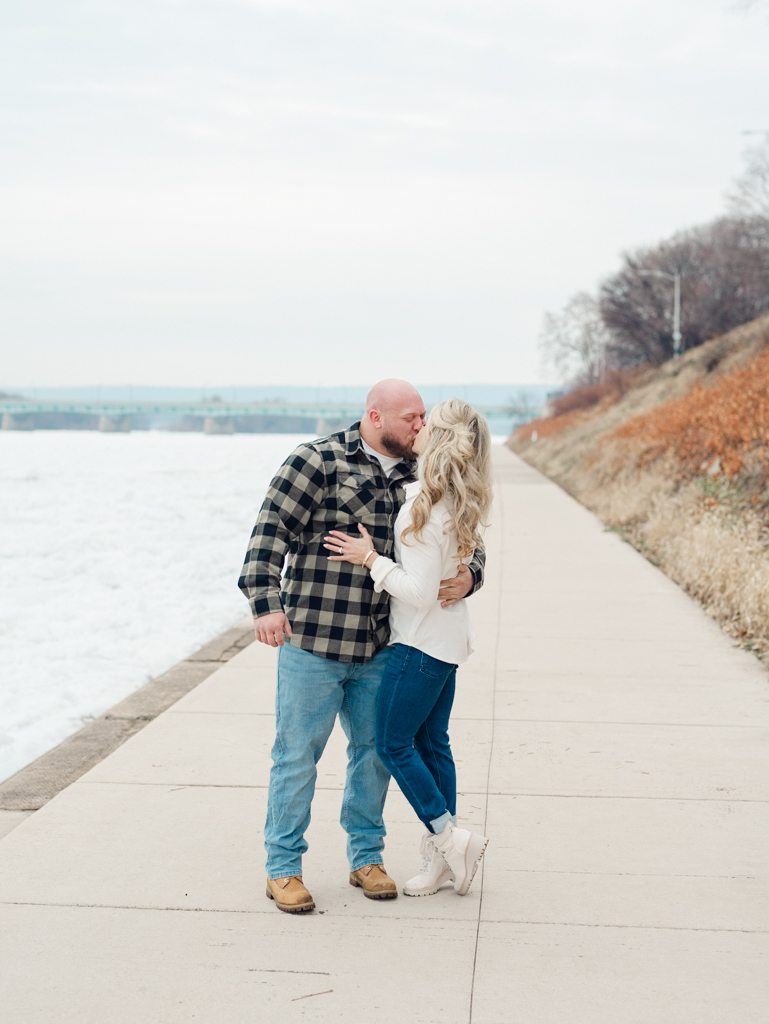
438	527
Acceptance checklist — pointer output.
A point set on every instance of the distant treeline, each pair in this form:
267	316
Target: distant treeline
723	269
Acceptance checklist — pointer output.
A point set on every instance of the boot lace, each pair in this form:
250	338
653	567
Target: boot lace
427	851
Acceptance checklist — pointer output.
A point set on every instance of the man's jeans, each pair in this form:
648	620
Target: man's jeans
311	692
412	736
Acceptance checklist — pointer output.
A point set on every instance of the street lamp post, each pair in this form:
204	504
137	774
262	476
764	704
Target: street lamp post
677	314
676	279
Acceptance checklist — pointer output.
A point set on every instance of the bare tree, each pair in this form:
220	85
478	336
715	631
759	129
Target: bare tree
574	342
750	196
523	404
724	269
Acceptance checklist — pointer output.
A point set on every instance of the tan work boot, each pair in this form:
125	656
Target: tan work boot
375	882
290	894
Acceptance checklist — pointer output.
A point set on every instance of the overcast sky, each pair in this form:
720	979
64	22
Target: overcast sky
212	192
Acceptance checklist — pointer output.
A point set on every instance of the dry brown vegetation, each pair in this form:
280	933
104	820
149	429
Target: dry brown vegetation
726	422
679	464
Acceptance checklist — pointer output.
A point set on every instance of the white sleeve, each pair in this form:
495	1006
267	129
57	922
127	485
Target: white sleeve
417	578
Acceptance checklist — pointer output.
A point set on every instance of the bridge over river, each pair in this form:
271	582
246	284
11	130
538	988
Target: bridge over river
212	417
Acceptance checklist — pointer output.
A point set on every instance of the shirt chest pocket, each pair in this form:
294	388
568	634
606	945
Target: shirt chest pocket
356	499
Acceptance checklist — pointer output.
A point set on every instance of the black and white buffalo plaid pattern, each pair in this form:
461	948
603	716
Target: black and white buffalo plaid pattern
328	484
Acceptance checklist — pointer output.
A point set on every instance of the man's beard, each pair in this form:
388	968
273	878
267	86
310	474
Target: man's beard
398	449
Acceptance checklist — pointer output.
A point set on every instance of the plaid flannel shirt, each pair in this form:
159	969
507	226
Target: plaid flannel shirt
328	484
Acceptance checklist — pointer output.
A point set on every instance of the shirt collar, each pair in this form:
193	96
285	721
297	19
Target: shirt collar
353	443
352	439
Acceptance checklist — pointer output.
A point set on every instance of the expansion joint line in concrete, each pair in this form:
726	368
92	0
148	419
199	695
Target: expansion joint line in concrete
500	574
464	793
269	913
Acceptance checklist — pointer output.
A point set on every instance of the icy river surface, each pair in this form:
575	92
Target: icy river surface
119	555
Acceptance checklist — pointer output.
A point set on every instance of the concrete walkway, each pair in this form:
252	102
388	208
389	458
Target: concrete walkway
610	741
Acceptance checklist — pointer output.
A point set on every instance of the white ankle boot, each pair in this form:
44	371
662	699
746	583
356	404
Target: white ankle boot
462	851
435	871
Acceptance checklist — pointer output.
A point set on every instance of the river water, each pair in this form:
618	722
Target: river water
119	555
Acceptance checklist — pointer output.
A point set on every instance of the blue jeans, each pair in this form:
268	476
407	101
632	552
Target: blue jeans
311	692
412	736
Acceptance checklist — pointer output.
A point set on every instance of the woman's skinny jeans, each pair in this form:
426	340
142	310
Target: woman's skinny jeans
412	739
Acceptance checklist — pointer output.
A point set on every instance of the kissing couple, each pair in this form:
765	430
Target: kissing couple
378	528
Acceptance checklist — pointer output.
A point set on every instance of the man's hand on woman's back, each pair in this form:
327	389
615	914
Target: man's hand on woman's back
454	590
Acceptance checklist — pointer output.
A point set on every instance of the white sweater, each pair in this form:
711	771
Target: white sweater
413	580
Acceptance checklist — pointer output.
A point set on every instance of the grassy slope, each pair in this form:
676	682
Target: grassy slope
679	466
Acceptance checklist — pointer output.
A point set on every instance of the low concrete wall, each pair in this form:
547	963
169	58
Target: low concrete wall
39	782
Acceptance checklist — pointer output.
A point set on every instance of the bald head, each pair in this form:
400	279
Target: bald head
395	413
390	394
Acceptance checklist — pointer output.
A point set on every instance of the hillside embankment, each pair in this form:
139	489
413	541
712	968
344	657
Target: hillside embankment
676	459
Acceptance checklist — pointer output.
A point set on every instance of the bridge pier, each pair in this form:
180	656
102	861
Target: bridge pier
218	425
114	424
18	421
324	427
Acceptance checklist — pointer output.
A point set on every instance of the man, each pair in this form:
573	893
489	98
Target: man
337	629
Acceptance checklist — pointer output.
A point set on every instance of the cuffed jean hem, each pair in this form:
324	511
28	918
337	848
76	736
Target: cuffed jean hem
365	863
357	864
439	824
286	874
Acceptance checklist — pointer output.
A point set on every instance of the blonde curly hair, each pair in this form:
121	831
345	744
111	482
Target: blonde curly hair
455	467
